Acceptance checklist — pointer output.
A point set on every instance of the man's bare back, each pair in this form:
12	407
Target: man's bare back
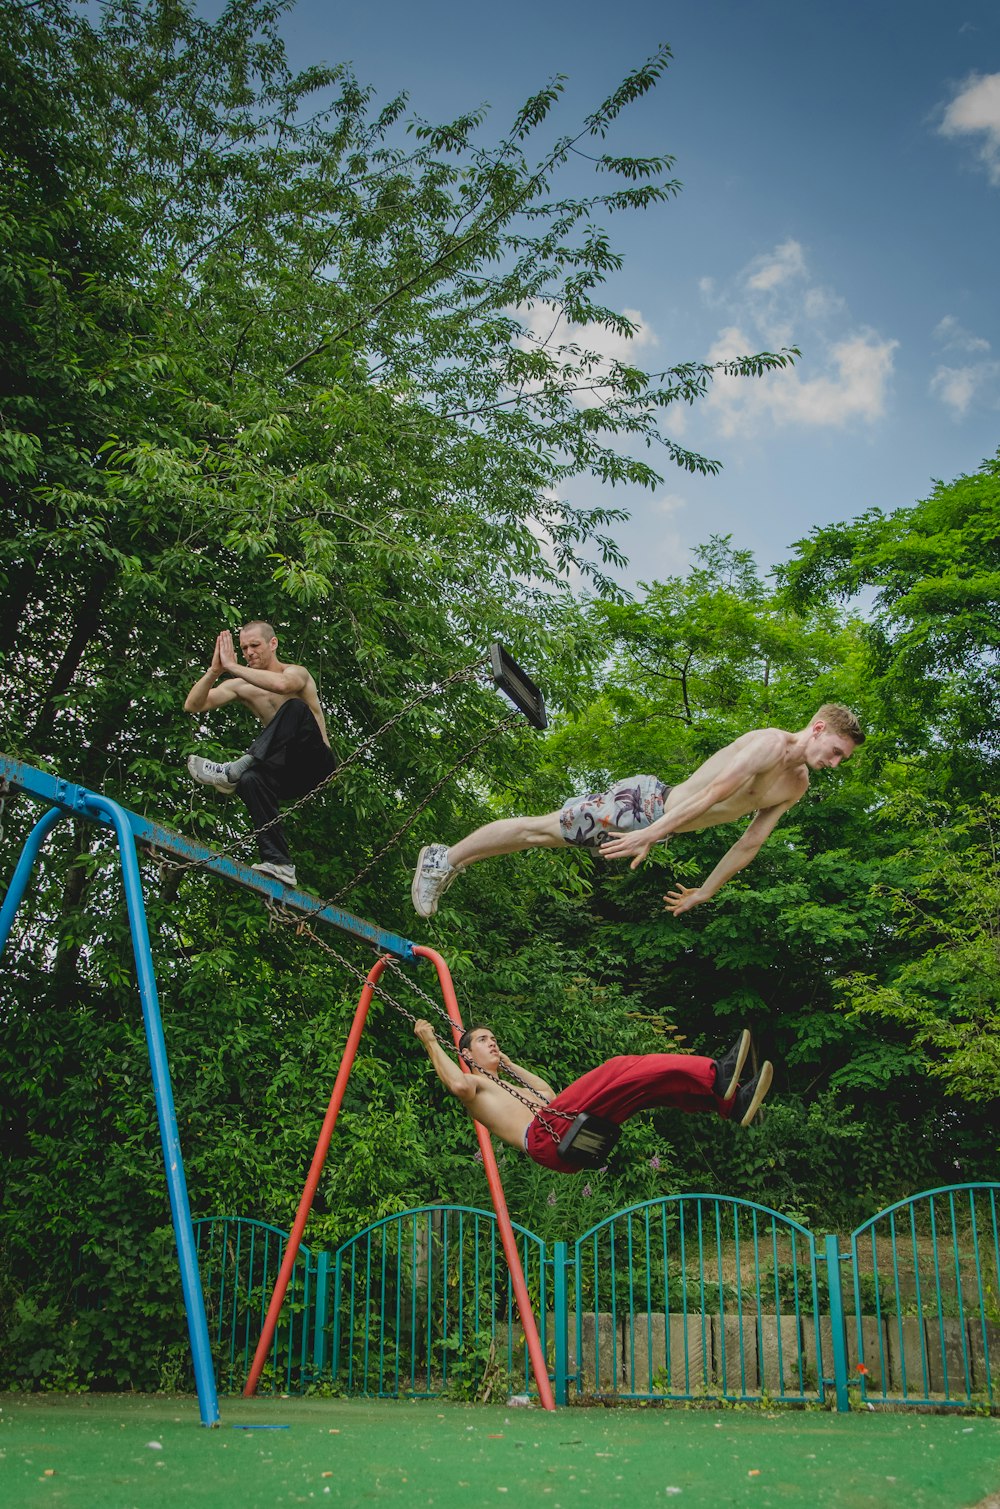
776	776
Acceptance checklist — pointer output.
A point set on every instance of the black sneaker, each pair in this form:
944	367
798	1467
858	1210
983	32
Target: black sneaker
729	1069
747	1101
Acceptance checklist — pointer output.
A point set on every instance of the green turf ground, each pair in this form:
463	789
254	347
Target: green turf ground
116	1452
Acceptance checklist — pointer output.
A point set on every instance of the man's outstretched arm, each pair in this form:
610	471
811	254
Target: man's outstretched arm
746	848
454	1079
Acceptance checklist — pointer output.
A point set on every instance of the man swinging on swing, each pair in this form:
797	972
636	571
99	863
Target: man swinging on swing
578	1128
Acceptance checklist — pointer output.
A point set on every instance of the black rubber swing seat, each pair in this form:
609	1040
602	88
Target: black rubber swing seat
589	1141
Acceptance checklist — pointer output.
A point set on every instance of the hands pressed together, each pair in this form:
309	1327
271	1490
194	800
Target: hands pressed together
224	654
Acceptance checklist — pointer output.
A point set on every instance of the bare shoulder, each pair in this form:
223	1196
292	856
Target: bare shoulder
760	747
298	677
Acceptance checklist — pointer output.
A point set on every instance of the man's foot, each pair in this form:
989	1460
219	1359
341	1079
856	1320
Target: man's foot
210	773
747	1101
729	1068
284	873
432	878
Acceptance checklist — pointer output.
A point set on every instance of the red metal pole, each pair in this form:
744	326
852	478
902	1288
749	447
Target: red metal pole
312	1181
528	1324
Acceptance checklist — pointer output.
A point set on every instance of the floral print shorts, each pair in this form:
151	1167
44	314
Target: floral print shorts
633	803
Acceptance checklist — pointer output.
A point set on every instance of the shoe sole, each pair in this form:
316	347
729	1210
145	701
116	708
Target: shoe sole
415	884
763	1085
741	1057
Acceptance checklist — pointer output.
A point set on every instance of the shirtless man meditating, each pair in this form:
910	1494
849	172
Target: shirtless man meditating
764	772
291	755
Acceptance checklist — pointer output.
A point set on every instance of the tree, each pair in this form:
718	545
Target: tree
945	993
270	351
934	633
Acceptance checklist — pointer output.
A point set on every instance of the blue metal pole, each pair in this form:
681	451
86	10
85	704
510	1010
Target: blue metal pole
169	1136
71	798
837	1325
560	1306
319	1314
22	873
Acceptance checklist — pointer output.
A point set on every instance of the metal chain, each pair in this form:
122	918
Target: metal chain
4	790
301	926
391	843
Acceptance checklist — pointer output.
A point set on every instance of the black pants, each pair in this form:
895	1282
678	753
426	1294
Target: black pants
290	760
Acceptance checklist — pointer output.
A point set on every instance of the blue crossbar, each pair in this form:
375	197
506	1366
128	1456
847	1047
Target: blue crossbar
77	799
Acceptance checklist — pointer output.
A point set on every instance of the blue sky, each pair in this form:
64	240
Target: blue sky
841	172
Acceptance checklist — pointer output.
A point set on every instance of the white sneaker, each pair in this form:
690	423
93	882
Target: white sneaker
284	873
432	878
210	773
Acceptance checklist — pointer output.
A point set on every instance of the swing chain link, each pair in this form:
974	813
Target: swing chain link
4	792
302	928
463	1053
464	759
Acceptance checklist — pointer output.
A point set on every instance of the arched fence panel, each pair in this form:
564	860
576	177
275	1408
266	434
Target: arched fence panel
697	1297
422	1303
239	1261
926	1299
687	1297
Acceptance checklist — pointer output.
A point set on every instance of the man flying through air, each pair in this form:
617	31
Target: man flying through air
764	772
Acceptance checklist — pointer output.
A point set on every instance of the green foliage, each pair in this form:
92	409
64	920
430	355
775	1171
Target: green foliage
945	994
271	350
933	638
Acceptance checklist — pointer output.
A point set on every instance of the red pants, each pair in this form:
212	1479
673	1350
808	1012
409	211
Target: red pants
617	1090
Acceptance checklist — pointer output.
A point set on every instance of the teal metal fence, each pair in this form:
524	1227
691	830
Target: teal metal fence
239	1261
422	1304
926	1289
696	1296
691	1296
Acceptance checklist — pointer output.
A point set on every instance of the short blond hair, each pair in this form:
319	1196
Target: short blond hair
843	722
260	623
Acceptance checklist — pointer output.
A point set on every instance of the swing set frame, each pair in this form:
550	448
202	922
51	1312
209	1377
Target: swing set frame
65	799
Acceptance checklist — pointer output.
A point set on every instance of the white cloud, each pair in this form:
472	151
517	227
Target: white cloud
844	375
774	268
545	326
975	111
852	385
954	336
959	387
669	503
